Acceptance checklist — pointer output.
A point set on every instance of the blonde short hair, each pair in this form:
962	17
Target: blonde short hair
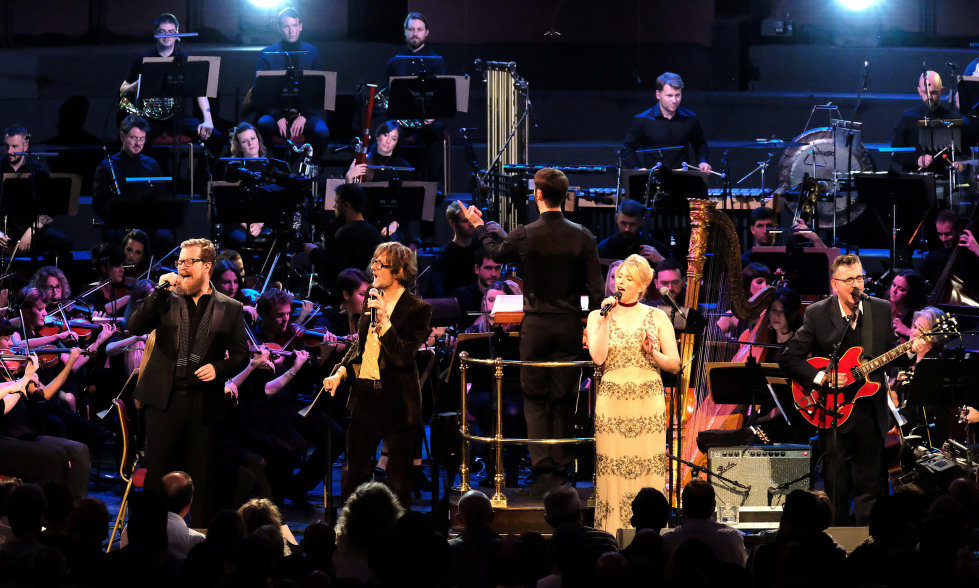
638	267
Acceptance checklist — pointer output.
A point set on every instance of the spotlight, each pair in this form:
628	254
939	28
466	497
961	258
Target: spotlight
265	3
857	5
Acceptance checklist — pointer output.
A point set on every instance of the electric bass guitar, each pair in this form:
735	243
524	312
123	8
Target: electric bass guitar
823	406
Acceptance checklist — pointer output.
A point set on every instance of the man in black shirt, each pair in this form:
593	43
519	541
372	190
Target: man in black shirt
666	125
167	24
906	132
451	268
628	240
965	272
112	173
470	296
353	241
428	134
27	231
559	263
291	54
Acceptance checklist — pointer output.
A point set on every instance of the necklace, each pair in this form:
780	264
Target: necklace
628	304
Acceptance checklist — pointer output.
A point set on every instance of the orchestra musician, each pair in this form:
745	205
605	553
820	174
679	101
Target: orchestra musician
292	54
167	24
962	277
110	186
666	124
906	131
851	454
380	155
33	233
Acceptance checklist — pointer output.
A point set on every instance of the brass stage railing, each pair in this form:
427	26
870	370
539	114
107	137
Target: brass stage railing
499	500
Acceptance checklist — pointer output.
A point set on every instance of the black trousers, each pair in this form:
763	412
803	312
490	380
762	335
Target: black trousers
372	420
183	425
549	393
852	466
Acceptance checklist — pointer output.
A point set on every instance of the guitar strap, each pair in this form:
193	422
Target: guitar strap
867	332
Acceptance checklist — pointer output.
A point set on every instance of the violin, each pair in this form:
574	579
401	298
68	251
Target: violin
84	329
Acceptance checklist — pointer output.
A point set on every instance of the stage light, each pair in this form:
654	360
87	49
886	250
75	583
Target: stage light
265	3
857	5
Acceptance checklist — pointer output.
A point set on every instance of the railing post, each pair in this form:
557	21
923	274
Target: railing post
464	427
499	499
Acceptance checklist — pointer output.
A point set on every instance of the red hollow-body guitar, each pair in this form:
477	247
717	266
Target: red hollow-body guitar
817	404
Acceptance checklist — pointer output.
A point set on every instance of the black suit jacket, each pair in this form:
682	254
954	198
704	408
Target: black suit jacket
559	263
161	311
399	373
822	327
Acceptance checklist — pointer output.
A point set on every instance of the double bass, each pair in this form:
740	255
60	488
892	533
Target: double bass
360	154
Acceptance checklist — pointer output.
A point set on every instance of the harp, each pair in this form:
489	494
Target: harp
714	276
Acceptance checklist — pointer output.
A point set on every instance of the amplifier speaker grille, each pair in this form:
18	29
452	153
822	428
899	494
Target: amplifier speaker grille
762	468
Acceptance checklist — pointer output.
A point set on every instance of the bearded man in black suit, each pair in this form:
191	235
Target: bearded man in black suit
200	343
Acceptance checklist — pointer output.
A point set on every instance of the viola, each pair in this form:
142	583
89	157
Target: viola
84	329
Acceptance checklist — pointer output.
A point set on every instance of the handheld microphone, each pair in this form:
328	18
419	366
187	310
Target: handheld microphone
665	293
605	309
164	285
373	296
860	295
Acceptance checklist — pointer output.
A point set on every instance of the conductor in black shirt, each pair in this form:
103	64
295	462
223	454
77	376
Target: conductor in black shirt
666	125
559	263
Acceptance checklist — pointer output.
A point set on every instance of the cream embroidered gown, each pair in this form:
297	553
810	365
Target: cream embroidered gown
630	426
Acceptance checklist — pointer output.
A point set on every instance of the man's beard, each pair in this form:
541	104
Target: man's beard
414	43
193	288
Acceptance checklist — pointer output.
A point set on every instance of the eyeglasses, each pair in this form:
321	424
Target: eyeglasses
135	139
188	262
851	281
166	32
377	263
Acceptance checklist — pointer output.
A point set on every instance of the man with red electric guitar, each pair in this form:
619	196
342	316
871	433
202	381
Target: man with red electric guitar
853	420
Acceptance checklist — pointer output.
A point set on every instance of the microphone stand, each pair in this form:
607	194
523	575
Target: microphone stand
832	371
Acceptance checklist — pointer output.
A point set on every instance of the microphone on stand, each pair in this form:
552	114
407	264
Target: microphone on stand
605	309
373	296
860	295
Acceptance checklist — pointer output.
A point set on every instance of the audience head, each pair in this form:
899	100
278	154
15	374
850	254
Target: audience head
260	511
60	503
148	521
26	504
369	512
552	186
88	523
650	510
178	491
562	506
698	499
475	510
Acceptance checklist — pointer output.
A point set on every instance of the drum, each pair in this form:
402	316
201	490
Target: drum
819	149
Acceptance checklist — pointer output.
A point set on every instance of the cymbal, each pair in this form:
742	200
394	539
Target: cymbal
768	144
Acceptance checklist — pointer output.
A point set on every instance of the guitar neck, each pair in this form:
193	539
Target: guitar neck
880	361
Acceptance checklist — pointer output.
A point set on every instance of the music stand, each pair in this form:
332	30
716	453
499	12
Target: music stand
945	382
750	384
147	213
807	268
969	96
887	193
57	194
936	134
234	203
281	89
415	65
421	97
399	200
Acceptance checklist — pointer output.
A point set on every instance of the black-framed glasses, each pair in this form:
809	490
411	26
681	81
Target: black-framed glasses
377	263
188	262
851	281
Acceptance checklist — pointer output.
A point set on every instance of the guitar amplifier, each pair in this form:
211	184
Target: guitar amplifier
767	472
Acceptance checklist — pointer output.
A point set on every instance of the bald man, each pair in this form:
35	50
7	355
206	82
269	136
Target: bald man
906	132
